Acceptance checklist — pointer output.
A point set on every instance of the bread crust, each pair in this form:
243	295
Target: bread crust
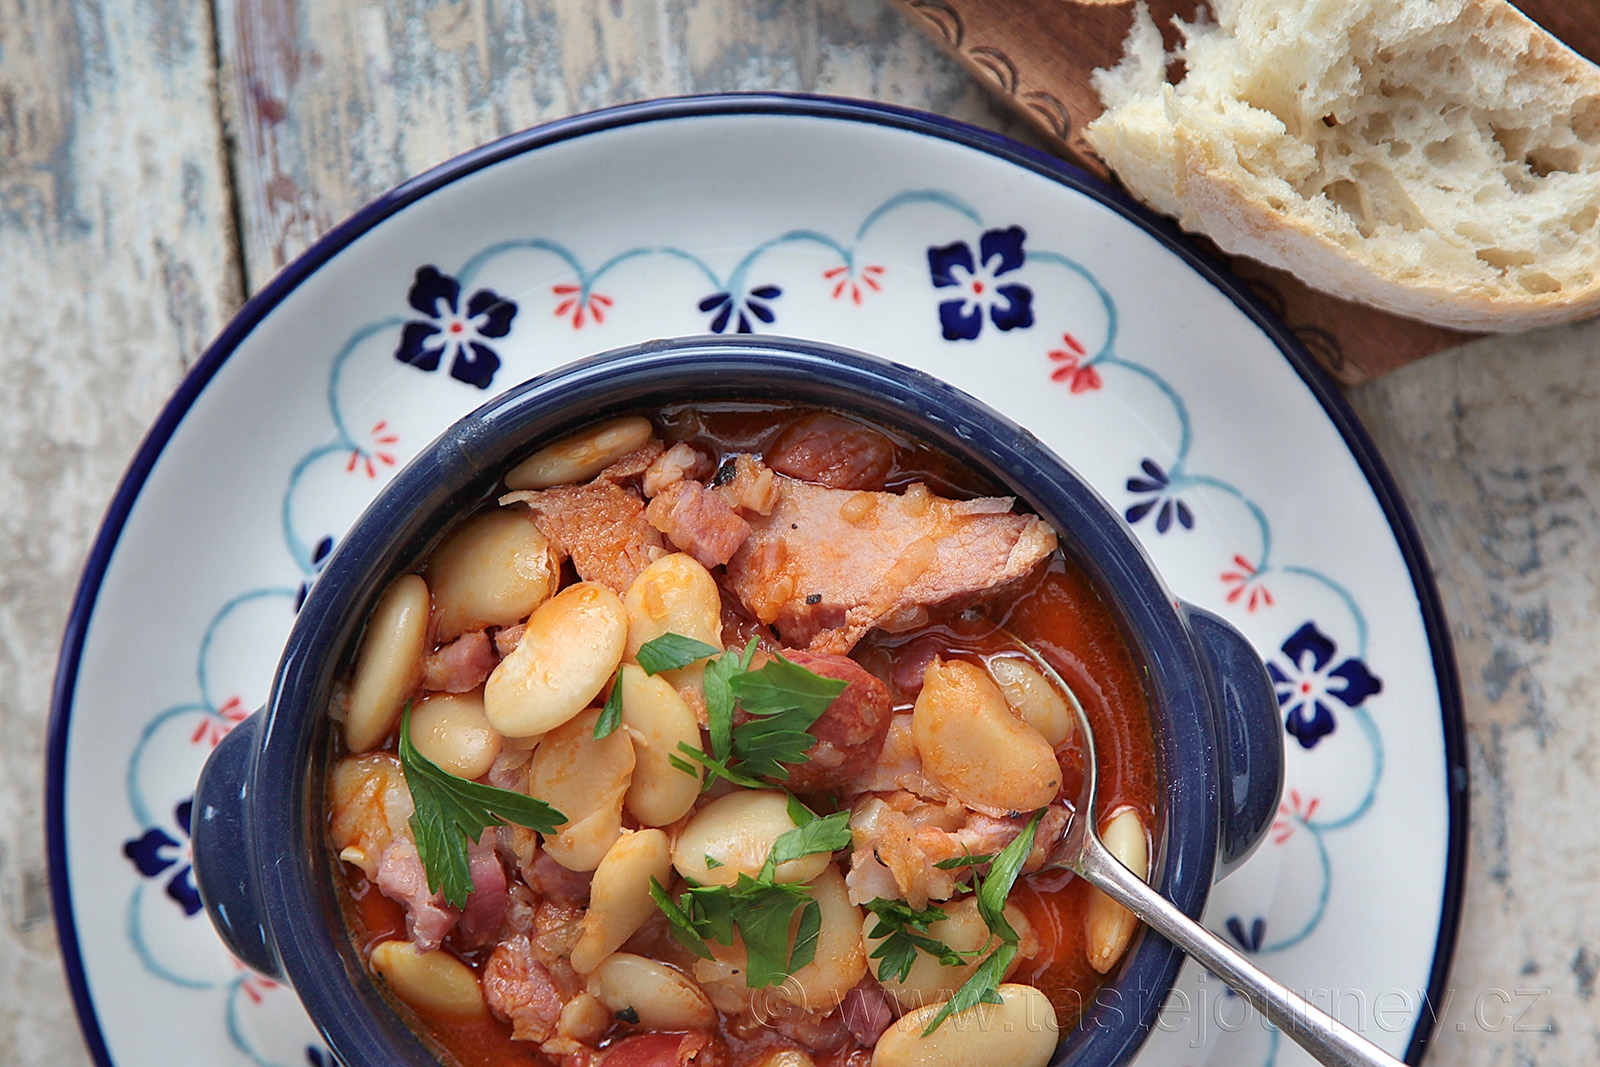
1206	181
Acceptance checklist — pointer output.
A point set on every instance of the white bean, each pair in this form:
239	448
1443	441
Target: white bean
1107	925
841	961
368	805
584	1019
675	594
964	930
451	730
662	997
581	456
737	832
1033	698
619	895
659	721
388	664
585	779
493	571
1020	1031
569	650
972	745
433	982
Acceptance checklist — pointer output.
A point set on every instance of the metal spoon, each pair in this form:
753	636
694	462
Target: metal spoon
1081	851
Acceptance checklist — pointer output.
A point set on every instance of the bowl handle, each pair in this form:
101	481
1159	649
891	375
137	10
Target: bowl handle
1249	736
224	864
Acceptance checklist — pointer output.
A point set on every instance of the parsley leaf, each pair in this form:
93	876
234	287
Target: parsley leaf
780	686
982	988
814	835
450	811
994	889
758	909
904	931
991	893
963	861
719	696
783	700
611	715
671	651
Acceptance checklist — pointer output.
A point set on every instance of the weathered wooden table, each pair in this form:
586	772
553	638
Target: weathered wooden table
159	161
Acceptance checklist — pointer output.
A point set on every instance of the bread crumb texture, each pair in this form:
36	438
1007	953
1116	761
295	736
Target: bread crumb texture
1437	158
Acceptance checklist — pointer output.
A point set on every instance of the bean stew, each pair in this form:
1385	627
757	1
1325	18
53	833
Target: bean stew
719	739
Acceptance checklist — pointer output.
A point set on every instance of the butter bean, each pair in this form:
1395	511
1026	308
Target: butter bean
659	721
368	806
971	744
841	961
1108	926
675	594
964	930
619	895
569	650
737	831
388	663
1020	1031
451	730
1033	698
662	997
585	779
582	455
493	571
432	982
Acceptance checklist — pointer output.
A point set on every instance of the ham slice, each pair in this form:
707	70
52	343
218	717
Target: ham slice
827	565
601	526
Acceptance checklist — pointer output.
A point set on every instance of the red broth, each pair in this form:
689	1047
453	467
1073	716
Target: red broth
1055	610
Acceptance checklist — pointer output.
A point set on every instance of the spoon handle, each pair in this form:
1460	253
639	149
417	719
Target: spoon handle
1320	1034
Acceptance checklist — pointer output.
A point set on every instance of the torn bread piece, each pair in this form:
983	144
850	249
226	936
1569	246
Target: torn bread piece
1439	159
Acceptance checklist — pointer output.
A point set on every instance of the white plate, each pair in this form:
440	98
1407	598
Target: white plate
904	235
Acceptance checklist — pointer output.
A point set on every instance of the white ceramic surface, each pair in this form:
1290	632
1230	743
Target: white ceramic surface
879	233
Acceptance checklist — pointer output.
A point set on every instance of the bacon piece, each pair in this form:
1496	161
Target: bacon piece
601	526
867	1011
659	1050
461	666
401	878
680	461
830	564
833	451
506	640
556	883
850	733
488	901
905	837
698	521
519	991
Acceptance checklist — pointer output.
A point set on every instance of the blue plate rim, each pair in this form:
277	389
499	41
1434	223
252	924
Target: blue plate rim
408	192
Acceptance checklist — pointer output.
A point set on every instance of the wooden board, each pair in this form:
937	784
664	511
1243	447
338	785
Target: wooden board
1037	57
116	268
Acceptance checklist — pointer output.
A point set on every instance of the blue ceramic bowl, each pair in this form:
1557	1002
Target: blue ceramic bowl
260	860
